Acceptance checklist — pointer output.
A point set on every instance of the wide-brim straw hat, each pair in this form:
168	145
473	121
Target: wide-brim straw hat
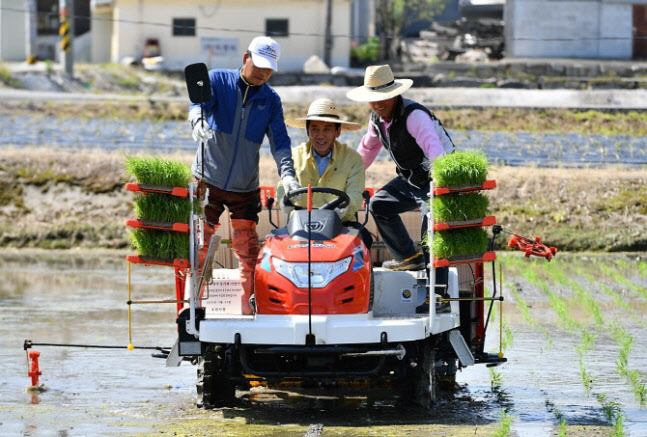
323	110
379	84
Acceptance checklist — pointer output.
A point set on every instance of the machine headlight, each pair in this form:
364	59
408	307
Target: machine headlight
321	272
358	258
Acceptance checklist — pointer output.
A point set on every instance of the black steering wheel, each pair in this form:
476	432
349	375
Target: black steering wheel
342	200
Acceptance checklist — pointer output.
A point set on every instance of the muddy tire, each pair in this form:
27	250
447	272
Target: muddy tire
446	375
215	389
419	387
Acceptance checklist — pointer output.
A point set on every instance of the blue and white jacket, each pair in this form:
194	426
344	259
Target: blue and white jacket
240	116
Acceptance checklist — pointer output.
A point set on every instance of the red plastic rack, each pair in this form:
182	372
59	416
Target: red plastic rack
144	188
164	226
446	226
180	263
467	259
487	185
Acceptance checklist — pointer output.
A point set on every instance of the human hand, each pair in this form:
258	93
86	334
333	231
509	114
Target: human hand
201	131
341	212
290	183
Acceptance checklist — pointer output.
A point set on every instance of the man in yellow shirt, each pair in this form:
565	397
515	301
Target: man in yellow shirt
325	162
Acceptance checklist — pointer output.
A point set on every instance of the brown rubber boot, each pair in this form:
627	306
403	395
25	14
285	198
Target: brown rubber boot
245	244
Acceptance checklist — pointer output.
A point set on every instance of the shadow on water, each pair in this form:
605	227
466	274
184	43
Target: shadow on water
358	408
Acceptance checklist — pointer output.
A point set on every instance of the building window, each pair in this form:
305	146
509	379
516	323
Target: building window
183	26
47	22
276	27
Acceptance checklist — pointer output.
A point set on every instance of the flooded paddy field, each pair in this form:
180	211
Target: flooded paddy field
573	333
505	148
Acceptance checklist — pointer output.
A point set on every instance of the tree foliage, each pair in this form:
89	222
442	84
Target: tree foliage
393	16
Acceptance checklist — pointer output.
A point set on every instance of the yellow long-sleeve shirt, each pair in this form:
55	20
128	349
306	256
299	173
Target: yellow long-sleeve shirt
345	172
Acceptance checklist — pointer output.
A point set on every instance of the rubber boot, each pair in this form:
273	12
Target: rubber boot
245	244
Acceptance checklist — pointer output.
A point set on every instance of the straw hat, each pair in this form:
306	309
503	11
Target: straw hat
323	110
379	84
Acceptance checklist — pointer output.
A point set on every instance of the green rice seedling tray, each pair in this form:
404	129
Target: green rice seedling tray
484	221
152	224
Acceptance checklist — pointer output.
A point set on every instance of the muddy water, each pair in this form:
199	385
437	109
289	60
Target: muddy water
71	297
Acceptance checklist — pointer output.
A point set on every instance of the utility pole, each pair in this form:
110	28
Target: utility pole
30	36
328	37
66	31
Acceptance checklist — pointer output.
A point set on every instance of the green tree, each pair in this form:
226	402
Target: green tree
393	16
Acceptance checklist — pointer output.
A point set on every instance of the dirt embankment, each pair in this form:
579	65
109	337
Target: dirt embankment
56	199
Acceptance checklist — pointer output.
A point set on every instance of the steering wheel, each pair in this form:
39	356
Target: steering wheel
342	200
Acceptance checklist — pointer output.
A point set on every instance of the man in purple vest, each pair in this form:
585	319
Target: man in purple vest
414	137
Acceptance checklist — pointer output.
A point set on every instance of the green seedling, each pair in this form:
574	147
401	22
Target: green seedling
162	207
525	312
496	380
459	242
503	429
642	268
155	170
160	244
624	281
459	168
633	377
458	207
585	376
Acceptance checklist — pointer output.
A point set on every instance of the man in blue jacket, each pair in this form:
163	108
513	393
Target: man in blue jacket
241	112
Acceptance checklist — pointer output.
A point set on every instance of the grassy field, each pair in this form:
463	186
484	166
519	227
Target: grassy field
56	199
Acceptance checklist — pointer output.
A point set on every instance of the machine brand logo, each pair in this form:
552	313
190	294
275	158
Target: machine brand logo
315	226
322	245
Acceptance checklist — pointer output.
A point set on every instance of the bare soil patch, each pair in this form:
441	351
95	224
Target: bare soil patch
58	199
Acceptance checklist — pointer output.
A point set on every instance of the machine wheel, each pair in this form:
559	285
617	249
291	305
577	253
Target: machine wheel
215	388
446	375
419	387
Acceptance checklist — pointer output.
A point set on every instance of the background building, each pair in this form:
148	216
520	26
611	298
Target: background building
218	32
606	29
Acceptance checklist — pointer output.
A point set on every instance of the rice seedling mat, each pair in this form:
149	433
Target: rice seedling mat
461	212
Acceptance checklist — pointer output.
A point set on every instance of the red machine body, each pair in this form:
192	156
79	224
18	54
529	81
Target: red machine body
348	293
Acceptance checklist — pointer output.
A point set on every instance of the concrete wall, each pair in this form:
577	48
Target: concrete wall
233	20
101	35
12	30
569	29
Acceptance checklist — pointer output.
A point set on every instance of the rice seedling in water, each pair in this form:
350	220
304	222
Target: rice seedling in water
503	429
160	244
624	281
459	242
634	377
642	268
613	414
154	170
457	207
585	296
525	312
495	379
585	376
459	168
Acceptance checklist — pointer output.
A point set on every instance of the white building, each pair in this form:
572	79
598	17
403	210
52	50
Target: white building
218	32
599	29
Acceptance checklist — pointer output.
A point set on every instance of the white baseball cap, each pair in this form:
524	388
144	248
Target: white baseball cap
265	52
